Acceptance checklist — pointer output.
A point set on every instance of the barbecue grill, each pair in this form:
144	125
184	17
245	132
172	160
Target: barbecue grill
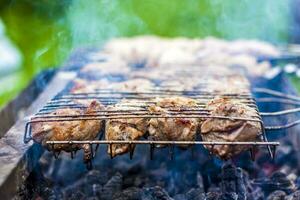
65	99
59	96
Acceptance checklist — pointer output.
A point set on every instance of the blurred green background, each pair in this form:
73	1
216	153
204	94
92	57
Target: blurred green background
46	31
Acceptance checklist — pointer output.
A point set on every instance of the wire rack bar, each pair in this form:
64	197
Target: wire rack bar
278	113
277	100
68	99
97	117
284	126
276	93
161	142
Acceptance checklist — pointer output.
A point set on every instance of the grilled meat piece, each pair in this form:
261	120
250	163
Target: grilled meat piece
133	85
68	130
111	66
183	129
153	51
124	129
230	130
230	84
84	86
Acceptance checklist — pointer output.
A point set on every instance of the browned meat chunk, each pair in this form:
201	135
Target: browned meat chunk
133	85
84	86
124	129
230	84
230	130
164	129
68	130
112	65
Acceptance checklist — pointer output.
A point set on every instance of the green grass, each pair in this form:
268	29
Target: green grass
296	82
47	31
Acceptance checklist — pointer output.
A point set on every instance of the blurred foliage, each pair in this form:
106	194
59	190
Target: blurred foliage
296	81
46	31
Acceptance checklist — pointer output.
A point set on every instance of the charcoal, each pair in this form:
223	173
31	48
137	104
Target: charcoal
195	194
297	183
246	181
155	193
200	183
180	197
92	185
233	181
135	177
229	196
281	179
256	194
132	193
96	177
95	190
71	190
294	196
214	188
192	194
73	193
277	195
113	186
92	198
277	181
241	187
213	195
77	195
140	181
49	193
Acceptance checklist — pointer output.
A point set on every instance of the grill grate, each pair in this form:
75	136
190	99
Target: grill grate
144	99
140	111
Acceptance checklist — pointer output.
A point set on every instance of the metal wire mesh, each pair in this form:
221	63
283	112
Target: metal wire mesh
143	99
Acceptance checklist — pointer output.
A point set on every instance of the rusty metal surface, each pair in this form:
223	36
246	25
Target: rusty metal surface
14	109
15	156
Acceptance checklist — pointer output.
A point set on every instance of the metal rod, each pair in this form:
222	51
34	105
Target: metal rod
277	100
264	135
112	98
110	142
146	116
134	112
276	93
201	101
283	112
273	151
280	127
27	136
155	92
